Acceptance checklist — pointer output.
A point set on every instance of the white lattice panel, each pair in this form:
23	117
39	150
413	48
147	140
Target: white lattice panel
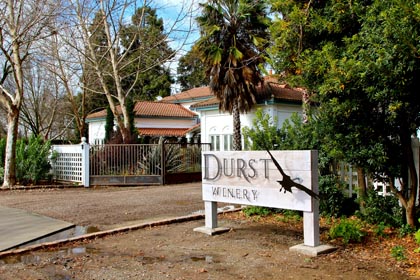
68	164
68	167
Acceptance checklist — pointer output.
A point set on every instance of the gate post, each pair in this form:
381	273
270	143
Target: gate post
85	162
163	162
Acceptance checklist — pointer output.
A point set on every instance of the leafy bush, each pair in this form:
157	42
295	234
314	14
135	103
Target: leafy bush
291	215
417	237
379	230
332	201
264	132
32	164
349	230
405	230
151	162
1	174
398	253
381	209
2	151
257	211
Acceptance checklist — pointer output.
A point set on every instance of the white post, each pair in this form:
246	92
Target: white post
311	219
210	209
311	227
85	162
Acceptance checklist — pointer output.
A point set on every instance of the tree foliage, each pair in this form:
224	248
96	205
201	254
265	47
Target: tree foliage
93	96
359	61
109	125
234	35
134	53
145	42
191	71
23	25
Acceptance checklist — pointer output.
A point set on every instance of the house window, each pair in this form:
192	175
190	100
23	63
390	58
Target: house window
227	142
223	142
215	142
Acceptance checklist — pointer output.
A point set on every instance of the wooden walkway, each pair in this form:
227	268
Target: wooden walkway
18	227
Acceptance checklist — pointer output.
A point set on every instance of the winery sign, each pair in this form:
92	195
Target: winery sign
276	179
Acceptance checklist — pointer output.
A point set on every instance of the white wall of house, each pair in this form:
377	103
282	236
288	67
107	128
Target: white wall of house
96	132
164	123
217	127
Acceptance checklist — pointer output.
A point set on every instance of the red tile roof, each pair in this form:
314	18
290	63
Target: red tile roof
153	109
158	109
284	92
189	95
156	132
195	128
281	92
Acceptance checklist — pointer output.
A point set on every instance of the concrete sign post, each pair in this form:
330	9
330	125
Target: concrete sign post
252	178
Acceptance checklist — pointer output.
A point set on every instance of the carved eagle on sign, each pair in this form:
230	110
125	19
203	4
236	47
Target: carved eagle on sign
287	183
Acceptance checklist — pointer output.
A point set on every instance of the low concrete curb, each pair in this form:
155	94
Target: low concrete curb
109	232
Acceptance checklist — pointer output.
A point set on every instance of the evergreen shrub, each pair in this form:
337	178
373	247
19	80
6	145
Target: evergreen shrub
258	211
32	163
381	209
2	151
332	199
350	230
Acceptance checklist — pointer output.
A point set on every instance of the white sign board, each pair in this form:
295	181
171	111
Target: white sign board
251	178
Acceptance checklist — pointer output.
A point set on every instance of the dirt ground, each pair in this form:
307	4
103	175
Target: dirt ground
252	249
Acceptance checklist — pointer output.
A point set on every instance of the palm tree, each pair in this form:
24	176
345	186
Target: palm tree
234	35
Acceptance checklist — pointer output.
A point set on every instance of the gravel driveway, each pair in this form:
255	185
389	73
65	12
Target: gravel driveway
251	250
107	207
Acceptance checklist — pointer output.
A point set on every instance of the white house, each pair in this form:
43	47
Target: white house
153	119
195	113
275	99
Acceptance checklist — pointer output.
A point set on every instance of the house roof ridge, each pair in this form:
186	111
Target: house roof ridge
271	89
152	108
190	94
162	131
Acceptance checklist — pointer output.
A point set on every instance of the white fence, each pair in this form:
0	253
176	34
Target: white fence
72	163
142	164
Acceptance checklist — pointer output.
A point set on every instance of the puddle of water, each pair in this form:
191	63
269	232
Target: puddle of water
25	259
68	233
33	258
207	259
149	260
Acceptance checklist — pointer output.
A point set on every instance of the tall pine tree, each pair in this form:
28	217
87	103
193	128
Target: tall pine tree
145	43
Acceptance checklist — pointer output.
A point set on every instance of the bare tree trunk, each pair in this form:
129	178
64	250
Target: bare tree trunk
22	24
407	194
237	135
10	158
114	14
361	182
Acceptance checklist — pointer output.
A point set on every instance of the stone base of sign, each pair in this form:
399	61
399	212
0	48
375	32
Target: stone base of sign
312	251
212	231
